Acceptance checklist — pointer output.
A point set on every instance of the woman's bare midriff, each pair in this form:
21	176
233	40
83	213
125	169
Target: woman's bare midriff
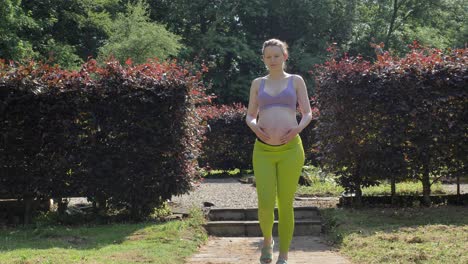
276	121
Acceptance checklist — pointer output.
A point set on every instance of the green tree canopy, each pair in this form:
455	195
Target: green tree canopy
71	28
13	22
227	35
434	23
133	35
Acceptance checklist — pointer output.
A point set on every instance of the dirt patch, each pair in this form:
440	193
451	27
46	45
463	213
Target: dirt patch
137	236
414	239
131	257
74	240
388	237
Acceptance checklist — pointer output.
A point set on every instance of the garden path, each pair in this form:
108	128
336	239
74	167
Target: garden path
246	250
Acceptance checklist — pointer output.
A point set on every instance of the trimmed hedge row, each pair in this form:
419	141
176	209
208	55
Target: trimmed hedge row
394	119
126	137
228	141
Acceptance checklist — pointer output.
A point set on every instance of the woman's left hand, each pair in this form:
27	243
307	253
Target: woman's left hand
290	134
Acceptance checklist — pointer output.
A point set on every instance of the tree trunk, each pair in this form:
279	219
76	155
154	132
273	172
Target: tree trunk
351	14
358	197
61	206
28	208
426	186
393	186
358	191
458	184
100	205
392	22
135	211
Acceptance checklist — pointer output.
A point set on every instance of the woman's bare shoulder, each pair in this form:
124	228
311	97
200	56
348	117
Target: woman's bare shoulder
297	78
298	81
258	79
256	82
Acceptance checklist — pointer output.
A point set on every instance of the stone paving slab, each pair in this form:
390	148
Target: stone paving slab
246	250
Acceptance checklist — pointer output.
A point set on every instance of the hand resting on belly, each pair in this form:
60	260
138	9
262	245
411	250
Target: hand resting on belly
276	123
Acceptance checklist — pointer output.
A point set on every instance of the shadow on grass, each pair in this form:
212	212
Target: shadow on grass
340	222
156	240
79	237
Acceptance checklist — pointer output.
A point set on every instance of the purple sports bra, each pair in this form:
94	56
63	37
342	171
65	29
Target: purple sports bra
286	98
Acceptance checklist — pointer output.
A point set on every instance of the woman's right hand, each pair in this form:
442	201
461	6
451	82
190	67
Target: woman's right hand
261	134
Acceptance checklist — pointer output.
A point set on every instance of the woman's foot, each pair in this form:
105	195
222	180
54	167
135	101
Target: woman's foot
267	253
282	261
282	258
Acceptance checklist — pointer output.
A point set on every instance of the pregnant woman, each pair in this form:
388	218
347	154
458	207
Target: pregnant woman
278	155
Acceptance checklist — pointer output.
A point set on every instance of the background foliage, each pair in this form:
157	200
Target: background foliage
396	119
126	137
227	35
133	35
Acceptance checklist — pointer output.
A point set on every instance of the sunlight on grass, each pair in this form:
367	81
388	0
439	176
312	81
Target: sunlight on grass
406	235
224	173
322	189
406	188
169	242
324	185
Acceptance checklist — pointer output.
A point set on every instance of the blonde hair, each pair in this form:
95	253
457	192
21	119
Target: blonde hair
276	42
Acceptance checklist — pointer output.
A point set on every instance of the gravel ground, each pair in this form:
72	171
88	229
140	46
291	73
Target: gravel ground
230	192
452	188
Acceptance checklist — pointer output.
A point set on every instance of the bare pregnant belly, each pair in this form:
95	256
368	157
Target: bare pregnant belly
276	122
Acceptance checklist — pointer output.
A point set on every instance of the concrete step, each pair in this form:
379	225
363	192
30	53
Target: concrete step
249	214
252	228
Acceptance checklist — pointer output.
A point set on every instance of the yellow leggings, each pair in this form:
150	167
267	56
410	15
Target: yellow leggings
277	170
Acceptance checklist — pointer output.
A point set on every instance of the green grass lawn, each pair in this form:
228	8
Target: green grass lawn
405	188
323	189
224	173
320	189
405	235
169	242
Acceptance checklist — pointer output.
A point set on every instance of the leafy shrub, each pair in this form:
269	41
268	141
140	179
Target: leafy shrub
399	118
126	137
228	141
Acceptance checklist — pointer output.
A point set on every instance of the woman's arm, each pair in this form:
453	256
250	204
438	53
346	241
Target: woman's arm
304	103
304	106
252	111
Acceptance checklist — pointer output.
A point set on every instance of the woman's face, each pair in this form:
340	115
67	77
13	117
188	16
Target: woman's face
273	57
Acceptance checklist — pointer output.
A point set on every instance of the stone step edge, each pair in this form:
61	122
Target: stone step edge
297	222
236	209
216	214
